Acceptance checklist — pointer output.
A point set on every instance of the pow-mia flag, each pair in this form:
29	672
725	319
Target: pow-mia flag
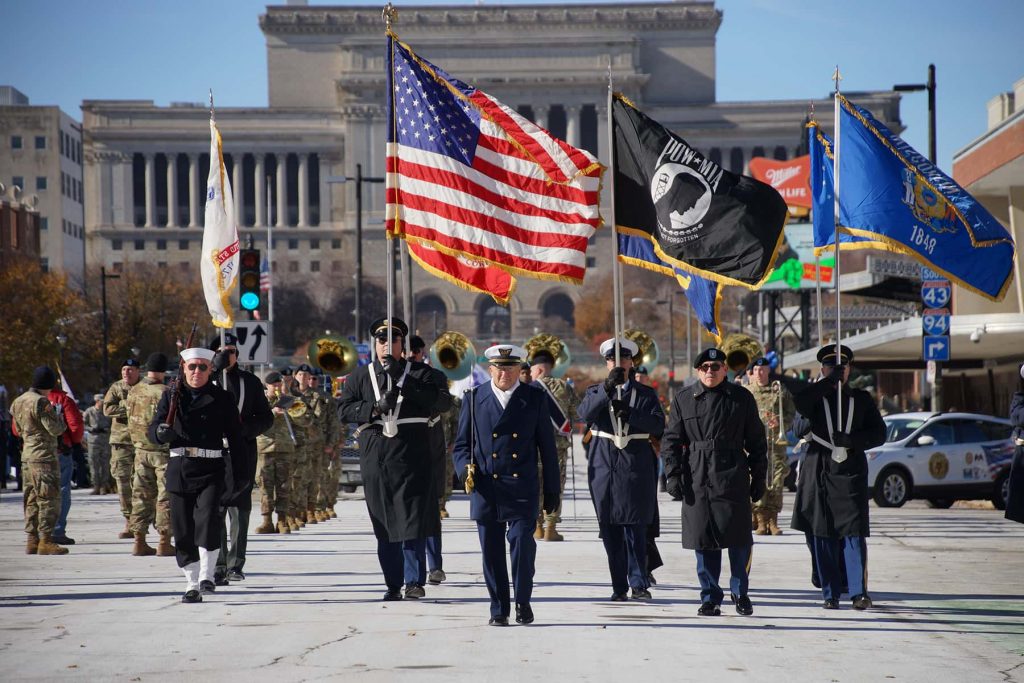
698	216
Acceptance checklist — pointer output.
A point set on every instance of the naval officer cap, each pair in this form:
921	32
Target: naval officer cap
197	353
628	348
711	355
827	355
505	354
379	328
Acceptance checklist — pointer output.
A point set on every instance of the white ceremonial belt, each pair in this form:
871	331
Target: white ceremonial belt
433	421
620	440
189	452
1019	441
390	427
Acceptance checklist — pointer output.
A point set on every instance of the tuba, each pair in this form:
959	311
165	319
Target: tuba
454	355
740	351
555	346
333	354
648	354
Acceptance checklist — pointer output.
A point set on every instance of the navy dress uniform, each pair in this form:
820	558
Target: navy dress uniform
622	469
832	490
715	455
503	434
392	400
1015	485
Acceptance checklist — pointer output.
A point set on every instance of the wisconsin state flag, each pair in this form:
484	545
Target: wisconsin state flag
697	216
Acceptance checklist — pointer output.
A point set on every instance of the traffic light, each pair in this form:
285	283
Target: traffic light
249	279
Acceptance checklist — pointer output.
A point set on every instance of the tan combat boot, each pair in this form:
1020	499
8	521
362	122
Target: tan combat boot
331	513
95	491
165	548
126	532
142	549
539	532
550	534
762	524
267	527
282	525
32	544
444	510
293	524
773	524
48	547
311	517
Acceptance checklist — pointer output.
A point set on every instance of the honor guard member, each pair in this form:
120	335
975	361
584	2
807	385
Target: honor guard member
201	474
832	492
562	414
622	467
97	437
276	447
254	412
714	451
39	425
504	434
122	453
1015	483
150	502
767	394
392	400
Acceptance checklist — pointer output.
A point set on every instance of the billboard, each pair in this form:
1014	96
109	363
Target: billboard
795	266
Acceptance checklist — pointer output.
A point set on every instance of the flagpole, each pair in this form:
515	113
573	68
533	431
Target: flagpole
616	273
835	205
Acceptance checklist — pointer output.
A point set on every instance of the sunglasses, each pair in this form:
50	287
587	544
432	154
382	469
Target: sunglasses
201	367
711	367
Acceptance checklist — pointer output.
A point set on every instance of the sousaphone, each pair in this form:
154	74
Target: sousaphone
333	354
553	345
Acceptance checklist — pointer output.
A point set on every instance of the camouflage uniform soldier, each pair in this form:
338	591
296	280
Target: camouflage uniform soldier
39	425
150	501
766	511
97	429
542	362
314	441
276	448
450	422
122	453
300	464
333	439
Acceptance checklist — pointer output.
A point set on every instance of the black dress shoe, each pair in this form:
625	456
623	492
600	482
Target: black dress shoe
830	603
207	587
651	580
220	580
414	591
63	540
641	594
393	595
524	614
620	597
815	581
709	609
862	602
743	605
235	575
498	621
192	596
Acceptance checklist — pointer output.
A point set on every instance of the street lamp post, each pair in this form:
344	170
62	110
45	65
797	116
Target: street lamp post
106	328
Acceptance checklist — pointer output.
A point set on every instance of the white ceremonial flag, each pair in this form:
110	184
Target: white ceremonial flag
218	264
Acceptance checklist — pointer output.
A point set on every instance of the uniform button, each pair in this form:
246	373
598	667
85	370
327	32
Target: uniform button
515	476
495	455
495	476
494	436
514	435
515	455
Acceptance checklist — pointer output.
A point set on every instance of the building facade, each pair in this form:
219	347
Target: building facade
146	165
41	155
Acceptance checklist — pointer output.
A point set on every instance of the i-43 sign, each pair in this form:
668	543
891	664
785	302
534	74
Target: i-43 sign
935	321
936	293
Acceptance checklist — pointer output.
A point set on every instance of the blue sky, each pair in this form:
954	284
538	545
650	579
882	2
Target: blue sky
767	49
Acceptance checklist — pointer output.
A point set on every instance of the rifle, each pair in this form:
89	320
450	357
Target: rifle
172	409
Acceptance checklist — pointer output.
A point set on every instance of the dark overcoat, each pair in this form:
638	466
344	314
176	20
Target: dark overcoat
1015	501
832	498
714	443
438	447
398	477
506	447
623	483
256	416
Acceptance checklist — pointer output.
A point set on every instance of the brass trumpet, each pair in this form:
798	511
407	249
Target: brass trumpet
780	439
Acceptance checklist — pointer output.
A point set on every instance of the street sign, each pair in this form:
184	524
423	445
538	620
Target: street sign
253	341
936	293
935	348
930	372
929	274
935	321
364	353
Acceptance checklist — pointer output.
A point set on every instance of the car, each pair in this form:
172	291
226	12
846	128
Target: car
351	475
941	458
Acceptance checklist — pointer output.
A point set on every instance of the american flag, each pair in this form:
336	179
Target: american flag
471	177
265	275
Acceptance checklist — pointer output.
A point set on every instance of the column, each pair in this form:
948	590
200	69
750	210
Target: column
303	189
172	190
193	184
572	124
237	192
260	193
150	188
540	115
282	190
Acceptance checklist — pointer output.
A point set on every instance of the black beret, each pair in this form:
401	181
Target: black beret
709	355
272	377
380	326
542	356
229	340
524	365
130	363
416	343
304	368
43	378
157	362
642	370
827	354
285	371
759	362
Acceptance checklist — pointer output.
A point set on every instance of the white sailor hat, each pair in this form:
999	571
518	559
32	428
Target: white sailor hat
505	354
197	352
628	348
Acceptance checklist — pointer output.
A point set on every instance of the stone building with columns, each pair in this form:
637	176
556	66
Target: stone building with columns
146	165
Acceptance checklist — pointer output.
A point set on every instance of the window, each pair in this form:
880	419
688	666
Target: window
63	184
44	223
116	245
40	142
44	263
161	264
314	266
293	266
78	152
140	245
64	225
62	137
19	182
293	245
40	182
995	430
16	142
591	262
117	267
314	243
335	266
161	245
335	244
183	245
942	432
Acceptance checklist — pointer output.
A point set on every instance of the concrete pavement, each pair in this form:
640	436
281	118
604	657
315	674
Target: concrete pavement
948	587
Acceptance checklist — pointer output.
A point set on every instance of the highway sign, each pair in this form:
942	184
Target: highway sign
935	348
935	321
936	293
253	341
